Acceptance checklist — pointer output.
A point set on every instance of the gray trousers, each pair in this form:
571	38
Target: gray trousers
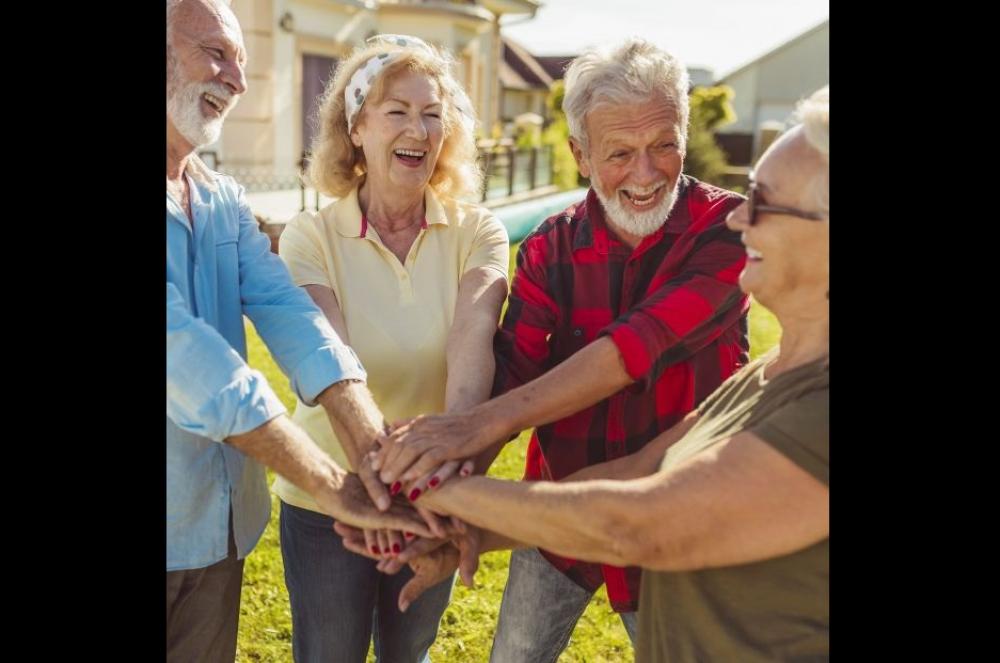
203	611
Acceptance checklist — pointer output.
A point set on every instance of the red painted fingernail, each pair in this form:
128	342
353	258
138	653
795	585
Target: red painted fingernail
396	487
396	548
375	549
434	481
465	472
408	535
414	494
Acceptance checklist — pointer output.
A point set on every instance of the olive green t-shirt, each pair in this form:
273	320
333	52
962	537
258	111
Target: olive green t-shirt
774	610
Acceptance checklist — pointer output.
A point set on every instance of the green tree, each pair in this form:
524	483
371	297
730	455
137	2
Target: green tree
565	173
711	108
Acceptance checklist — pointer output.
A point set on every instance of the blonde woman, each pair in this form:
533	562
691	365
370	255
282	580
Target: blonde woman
413	279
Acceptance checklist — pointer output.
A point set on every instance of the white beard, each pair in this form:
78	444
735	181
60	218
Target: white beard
184	110
640	224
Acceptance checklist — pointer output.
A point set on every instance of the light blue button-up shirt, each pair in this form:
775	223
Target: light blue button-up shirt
216	274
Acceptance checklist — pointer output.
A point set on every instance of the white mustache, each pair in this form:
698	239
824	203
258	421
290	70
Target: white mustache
644	191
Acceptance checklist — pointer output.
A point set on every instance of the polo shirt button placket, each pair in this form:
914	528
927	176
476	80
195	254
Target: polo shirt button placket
405	287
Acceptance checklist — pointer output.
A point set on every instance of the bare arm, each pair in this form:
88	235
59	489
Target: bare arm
590	375
469	355
481	293
739	502
285	448
643	463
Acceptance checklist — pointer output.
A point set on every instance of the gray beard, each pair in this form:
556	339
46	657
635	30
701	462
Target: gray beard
640	224
183	110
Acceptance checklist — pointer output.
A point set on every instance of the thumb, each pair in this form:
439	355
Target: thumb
468	561
412	590
376	489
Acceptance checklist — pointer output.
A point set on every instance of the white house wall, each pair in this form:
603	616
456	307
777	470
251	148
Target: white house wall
796	71
769	88
744	86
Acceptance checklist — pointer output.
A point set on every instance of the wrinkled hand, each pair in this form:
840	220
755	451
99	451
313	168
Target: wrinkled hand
420	447
386	542
350	503
377	490
432	560
428	570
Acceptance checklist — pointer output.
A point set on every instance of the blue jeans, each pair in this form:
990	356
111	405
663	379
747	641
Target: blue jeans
340	600
540	609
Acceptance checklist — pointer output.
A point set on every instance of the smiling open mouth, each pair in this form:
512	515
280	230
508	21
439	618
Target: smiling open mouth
642	197
411	157
217	104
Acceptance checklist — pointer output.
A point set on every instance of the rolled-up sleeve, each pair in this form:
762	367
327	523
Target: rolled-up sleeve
300	338
685	313
210	389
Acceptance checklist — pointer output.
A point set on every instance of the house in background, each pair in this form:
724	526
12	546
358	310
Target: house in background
700	76
768	88
524	83
293	46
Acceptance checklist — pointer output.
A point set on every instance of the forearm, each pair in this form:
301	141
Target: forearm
585	520
591	375
738	502
470	378
286	449
470	367
469	354
587	377
355	417
490	541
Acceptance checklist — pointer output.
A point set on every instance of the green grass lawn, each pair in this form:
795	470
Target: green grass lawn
467	626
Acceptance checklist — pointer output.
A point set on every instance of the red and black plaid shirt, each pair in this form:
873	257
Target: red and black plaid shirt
672	306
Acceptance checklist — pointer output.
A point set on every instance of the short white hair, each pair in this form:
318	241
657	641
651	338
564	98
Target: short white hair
171	10
633	72
814	115
172	6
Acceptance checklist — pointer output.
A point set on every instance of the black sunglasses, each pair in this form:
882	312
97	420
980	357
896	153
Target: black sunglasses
753	207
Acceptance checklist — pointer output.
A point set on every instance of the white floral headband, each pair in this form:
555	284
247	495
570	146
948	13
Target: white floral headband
361	82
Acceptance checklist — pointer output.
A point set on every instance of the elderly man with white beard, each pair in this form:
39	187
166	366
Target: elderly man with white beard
624	314
223	420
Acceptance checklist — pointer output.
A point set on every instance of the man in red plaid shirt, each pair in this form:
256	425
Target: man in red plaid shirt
624	314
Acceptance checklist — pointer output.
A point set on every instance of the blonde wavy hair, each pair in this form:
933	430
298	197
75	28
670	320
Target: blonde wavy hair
337	166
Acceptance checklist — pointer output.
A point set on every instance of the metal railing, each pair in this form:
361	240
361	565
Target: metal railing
255	178
507	171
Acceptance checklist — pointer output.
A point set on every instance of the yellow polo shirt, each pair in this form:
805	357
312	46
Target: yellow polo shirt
398	315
